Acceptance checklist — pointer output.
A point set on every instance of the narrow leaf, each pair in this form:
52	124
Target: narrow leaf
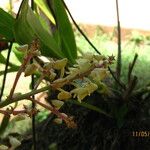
29	27
4	124
22	30
42	5
6	25
65	30
44	36
2	59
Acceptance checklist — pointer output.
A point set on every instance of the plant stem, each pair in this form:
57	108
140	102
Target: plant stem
5	71
130	88
21	69
131	66
13	112
119	63
23	96
52	109
122	85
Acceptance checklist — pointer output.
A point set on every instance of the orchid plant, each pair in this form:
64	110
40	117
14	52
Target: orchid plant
85	77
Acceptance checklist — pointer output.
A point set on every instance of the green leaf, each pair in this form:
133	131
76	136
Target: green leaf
18	54
42	5
6	25
65	31
28	27
91	107
10	70
2	59
4	124
44	36
24	34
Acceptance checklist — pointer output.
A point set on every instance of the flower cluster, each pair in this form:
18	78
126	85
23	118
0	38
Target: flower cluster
85	77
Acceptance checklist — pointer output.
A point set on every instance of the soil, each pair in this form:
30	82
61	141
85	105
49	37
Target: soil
96	131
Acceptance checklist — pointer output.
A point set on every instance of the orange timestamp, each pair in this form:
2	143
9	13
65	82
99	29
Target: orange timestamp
141	133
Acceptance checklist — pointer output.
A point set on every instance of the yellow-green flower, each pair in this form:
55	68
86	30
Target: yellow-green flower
82	92
59	64
99	74
64	95
57	103
30	69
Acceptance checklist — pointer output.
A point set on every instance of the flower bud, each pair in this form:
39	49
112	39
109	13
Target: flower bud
30	69
64	115
57	103
22	48
80	93
58	120
3	147
19	117
64	95
14	142
59	64
36	53
99	74
52	76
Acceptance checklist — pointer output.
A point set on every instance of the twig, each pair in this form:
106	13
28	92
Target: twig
82	33
119	63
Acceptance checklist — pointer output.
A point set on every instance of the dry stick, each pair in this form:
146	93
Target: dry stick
119	63
8	57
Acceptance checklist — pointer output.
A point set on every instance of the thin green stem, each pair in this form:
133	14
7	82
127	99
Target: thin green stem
23	96
6	69
91	107
131	66
21	69
119	63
